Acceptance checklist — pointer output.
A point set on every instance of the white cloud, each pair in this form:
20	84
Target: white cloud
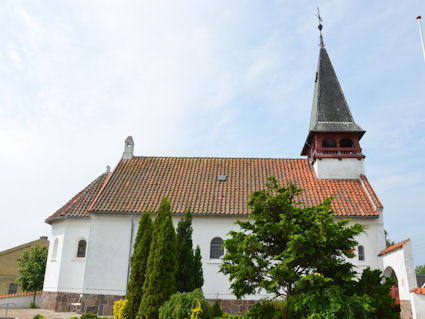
199	78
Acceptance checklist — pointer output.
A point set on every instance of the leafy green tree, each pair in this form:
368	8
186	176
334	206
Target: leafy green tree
283	241
160	280
373	286
32	267
138	264
185	271
420	270
198	273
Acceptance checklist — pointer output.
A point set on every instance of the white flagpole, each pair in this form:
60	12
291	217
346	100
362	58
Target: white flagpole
422	36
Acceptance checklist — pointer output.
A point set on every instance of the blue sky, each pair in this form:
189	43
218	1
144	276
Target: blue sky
201	78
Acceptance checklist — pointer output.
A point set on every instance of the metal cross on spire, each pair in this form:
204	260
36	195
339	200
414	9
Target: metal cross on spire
320	27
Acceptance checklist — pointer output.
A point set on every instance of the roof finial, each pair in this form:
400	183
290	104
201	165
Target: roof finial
320	27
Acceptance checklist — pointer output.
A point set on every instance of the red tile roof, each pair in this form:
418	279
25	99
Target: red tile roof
138	184
79	204
420	291
393	247
371	192
20	294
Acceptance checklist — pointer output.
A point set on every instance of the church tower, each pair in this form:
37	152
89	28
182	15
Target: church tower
333	142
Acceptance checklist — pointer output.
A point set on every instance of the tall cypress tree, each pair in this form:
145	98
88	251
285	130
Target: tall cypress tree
160	282
198	280
139	261
185	270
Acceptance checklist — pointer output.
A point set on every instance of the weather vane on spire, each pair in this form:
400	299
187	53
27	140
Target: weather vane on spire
320	27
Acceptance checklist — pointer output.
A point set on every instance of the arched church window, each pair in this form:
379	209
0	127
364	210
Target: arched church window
346	142
361	252
81	250
55	249
216	248
329	142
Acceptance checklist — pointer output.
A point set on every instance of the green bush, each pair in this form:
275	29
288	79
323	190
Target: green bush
89	316
373	286
216	309
180	305
38	316
33	305
266	309
329	303
73	317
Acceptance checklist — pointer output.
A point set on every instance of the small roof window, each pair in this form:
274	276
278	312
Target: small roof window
221	177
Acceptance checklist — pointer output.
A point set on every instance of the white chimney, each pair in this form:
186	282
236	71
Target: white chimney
128	148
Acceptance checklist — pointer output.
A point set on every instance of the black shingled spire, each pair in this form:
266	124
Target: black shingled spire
330	116
330	111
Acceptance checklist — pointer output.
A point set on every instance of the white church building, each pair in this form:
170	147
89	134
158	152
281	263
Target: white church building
93	234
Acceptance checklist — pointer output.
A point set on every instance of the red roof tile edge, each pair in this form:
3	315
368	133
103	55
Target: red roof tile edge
103	186
59	214
393	247
376	202
419	291
20	294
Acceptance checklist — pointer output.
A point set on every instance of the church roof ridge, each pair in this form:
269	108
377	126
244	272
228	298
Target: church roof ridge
220	157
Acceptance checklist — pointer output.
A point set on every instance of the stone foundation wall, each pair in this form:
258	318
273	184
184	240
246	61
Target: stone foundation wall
406	309
103	304
90	303
234	307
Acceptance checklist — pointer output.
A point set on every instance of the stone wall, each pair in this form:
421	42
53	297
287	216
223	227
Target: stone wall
90	303
103	304
234	307
406	309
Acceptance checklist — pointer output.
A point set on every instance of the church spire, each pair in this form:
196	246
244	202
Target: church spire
333	133
330	111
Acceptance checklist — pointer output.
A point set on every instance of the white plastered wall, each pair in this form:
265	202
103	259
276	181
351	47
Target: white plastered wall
109	243
334	168
108	254
65	273
373	241
418	305
205	228
51	278
401	261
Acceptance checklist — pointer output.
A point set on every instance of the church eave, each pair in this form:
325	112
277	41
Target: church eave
54	219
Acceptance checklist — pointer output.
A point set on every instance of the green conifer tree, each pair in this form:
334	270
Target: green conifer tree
138	264
185	271
160	280
197	266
